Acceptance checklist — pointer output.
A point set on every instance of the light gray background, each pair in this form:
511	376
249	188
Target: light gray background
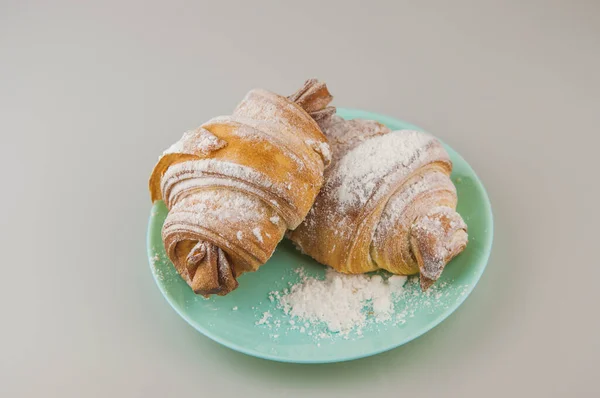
91	94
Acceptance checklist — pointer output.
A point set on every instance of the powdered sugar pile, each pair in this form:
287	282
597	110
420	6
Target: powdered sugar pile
348	306
342	302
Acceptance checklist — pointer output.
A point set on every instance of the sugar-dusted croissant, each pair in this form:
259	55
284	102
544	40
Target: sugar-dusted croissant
387	203
234	185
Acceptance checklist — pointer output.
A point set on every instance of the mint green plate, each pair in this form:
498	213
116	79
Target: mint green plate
234	320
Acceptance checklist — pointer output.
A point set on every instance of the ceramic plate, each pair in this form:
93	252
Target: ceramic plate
235	320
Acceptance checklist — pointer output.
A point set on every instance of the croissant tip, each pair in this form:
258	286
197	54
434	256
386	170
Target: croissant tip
207	270
426	282
206	293
314	98
221	289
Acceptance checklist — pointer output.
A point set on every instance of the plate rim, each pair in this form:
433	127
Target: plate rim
489	237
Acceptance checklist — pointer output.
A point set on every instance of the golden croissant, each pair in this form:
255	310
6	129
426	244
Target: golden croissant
234	185
387	203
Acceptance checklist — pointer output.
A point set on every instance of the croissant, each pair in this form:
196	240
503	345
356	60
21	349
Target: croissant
234	185
387	203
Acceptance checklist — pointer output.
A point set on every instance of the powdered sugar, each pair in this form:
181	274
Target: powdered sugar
186	177
396	206
265	317
231	206
198	141
340	300
321	148
257	233
363	167
350	306
217	168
